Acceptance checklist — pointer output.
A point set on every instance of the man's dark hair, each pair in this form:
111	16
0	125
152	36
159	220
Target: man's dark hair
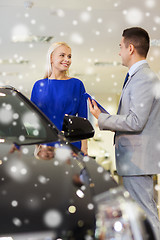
139	38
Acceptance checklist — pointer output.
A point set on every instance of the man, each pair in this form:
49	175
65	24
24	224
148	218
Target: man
137	123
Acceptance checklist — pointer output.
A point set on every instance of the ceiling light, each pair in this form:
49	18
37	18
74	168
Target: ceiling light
32	39
107	63
28	4
9	74
14	61
155	42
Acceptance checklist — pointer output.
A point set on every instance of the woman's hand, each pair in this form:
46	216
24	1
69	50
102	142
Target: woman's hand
84	146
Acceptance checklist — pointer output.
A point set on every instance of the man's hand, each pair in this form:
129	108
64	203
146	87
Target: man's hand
94	108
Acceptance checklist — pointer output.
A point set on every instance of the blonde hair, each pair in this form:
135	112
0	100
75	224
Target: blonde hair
50	51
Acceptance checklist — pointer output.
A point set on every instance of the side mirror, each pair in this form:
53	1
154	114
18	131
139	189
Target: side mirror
77	128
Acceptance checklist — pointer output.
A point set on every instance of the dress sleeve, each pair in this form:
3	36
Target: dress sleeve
82	111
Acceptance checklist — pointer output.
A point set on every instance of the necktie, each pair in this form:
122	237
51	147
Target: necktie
126	79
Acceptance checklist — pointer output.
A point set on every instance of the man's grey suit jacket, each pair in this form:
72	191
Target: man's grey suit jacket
137	125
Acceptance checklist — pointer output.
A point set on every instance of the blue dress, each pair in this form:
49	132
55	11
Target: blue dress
55	98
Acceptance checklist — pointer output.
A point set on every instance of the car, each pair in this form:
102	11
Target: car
60	194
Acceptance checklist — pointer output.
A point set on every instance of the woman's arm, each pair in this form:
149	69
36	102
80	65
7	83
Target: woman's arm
84	146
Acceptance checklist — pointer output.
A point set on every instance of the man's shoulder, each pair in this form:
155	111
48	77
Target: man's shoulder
143	71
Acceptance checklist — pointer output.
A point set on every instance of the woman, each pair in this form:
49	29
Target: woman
58	94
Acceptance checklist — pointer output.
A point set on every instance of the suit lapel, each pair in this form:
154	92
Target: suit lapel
120	100
129	80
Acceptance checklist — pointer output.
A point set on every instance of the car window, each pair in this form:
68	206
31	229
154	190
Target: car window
21	122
